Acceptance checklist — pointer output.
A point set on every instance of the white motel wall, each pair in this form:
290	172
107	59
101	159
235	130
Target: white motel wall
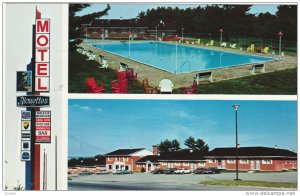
17	52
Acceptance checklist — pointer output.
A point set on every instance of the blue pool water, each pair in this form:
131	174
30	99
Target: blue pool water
163	56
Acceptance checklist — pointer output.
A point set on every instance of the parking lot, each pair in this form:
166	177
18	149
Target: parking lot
191	181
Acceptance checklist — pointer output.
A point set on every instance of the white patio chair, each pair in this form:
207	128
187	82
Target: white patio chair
232	45
166	86
224	44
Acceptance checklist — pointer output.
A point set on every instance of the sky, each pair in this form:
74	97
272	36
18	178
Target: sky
101	126
131	10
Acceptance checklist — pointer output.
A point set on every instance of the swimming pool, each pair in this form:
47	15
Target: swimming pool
189	59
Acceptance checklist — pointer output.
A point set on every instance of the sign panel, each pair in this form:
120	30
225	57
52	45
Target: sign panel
25	145
25	135
25	115
43	127
25	155
33	101
42	55
24	81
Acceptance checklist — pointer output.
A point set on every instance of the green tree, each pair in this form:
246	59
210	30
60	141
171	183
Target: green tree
287	21
168	146
196	145
76	21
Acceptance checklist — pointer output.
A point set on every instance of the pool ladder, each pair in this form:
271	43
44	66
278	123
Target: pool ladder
184	63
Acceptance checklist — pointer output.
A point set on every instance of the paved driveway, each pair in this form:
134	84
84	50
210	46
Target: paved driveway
145	181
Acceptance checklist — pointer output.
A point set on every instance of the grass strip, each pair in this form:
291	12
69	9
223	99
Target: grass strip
250	183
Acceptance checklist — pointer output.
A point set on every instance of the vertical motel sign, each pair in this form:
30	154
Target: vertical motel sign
42	55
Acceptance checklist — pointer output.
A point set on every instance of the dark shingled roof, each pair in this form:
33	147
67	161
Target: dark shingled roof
181	155
151	158
124	152
252	151
130	23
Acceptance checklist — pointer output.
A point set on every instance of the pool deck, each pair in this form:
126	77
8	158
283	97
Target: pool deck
154	75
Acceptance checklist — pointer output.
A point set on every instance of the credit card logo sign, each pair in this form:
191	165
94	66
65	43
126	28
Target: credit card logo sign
25	145
25	125
25	156
26	115
26	135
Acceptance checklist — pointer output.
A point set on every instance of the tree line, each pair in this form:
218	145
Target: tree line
233	19
167	145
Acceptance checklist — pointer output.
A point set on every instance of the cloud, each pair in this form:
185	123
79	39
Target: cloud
73	106
184	115
85	108
98	109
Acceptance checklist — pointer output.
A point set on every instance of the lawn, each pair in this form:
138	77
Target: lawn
80	69
250	183
275	83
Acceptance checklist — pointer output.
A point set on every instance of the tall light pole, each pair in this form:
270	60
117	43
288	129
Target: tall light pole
176	53
129	35
102	34
280	34
182	34
156	32
221	36
236	107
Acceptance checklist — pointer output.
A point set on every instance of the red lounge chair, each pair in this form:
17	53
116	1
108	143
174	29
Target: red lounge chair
92	86
149	89
121	75
120	86
192	89
131	76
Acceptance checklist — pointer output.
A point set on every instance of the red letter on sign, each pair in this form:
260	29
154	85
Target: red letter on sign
42	40
40	87
42	26
42	69
42	51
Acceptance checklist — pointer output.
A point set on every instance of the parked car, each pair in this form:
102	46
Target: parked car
119	171
170	171
158	171
182	171
103	171
212	170
85	173
199	171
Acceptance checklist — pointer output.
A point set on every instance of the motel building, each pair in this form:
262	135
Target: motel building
254	159
119	28
124	159
250	159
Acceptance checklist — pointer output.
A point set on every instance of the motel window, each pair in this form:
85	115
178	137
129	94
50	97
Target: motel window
201	164
138	165
142	31
266	161
109	158
113	30
177	163
243	161
109	166
124	31
125	159
186	164
163	163
211	160
230	161
153	34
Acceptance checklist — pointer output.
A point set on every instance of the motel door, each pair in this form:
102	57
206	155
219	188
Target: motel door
106	33
252	165
170	165
223	164
257	165
134	33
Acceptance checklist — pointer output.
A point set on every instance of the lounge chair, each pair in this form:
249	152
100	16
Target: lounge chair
211	43
251	48
92	86
198	42
232	45
130	75
103	62
224	44
265	50
120	86
147	88
92	56
123	66
192	89
166	86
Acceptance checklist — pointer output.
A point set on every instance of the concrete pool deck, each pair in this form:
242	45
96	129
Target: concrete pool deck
154	75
